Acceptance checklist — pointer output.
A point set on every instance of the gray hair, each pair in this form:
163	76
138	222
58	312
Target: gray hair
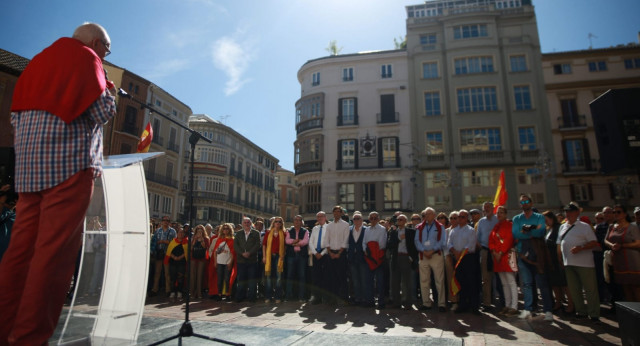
88	32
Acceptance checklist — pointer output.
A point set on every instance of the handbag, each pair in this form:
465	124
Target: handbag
513	259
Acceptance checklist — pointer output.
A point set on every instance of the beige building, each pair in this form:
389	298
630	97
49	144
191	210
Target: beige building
287	197
478	104
233	177
353	142
573	79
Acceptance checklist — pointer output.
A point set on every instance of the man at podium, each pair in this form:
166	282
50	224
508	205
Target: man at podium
60	103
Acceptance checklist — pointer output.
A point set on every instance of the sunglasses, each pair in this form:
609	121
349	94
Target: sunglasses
357	218
525	202
277	221
415	219
453	218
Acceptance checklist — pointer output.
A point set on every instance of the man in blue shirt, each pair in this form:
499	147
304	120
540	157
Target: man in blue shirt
467	273
378	234
526	226
430	240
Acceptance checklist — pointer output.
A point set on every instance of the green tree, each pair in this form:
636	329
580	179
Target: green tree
400	43
333	48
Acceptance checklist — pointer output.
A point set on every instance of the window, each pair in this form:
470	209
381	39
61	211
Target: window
570	116
386	71
477	99
158	103
347	196
522	96
581	192
430	70
595	66
387	109
471	65
315	79
347	154
432	103
437	179
469	31
392	200
518	63
528	176
632	63
479	178
507	3
347	74
480	140
389	151
440	200
129	125
156	202
576	154
562	69
435	146
527	138
166	205
428	39
348	111
369	196
537	197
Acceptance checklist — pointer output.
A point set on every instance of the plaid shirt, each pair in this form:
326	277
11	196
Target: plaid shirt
49	151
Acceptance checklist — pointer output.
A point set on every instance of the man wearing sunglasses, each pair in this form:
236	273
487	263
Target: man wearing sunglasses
527	225
60	103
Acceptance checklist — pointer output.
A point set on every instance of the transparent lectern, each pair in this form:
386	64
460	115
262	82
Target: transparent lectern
111	285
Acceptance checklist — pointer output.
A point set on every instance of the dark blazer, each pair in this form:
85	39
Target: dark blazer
393	242
250	245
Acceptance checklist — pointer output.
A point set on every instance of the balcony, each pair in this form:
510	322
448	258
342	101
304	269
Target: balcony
572	122
174	147
313	123
588	166
131	129
161	179
210	195
388	118
483	155
347	122
306	167
157	140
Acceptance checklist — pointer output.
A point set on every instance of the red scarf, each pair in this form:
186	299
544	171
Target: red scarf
64	79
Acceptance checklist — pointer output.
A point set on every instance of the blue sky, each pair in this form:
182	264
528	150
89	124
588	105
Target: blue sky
240	58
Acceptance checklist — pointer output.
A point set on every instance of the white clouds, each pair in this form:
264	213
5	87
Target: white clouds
232	57
166	68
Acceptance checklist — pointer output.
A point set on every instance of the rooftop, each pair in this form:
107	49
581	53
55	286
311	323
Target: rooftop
12	63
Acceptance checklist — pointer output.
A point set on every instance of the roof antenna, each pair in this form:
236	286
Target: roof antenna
590	42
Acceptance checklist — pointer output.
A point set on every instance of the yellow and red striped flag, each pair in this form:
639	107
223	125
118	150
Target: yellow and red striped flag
455	287
501	194
145	140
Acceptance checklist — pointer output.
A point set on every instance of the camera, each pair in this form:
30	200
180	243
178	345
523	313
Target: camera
528	228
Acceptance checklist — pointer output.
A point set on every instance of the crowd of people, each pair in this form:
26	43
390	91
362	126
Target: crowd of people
466	261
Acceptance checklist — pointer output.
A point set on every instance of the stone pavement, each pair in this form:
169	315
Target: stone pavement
295	323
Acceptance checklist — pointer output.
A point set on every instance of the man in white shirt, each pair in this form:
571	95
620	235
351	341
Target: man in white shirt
318	251
484	227
337	243
576	240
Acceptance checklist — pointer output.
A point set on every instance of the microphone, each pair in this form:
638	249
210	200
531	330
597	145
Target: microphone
123	93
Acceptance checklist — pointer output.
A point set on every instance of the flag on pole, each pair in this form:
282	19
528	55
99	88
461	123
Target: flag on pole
501	194
145	139
455	286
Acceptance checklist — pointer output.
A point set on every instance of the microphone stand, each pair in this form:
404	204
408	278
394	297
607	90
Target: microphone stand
186	330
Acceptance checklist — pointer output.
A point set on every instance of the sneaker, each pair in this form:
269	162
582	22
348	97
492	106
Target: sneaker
548	316
524	314
172	296
278	301
454	307
267	301
179	295
512	312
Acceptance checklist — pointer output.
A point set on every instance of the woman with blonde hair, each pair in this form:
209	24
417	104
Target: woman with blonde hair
199	246
273	250
223	262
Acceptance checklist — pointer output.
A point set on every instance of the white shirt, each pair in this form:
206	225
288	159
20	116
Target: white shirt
461	238
313	239
579	235
337	235
375	233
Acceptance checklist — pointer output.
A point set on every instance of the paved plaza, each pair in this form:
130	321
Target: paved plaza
296	323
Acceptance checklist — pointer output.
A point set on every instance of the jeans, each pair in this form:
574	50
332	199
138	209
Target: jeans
177	270
375	278
296	268
246	277
528	273
359	269
224	277
272	276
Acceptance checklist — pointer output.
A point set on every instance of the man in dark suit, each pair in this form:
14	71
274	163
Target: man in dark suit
246	244
404	261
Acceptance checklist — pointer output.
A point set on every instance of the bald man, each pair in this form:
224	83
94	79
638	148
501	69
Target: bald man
60	103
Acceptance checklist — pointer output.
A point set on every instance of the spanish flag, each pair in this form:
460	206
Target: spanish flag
455	287
145	139
501	194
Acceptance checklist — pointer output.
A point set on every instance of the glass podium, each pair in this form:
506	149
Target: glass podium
111	285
